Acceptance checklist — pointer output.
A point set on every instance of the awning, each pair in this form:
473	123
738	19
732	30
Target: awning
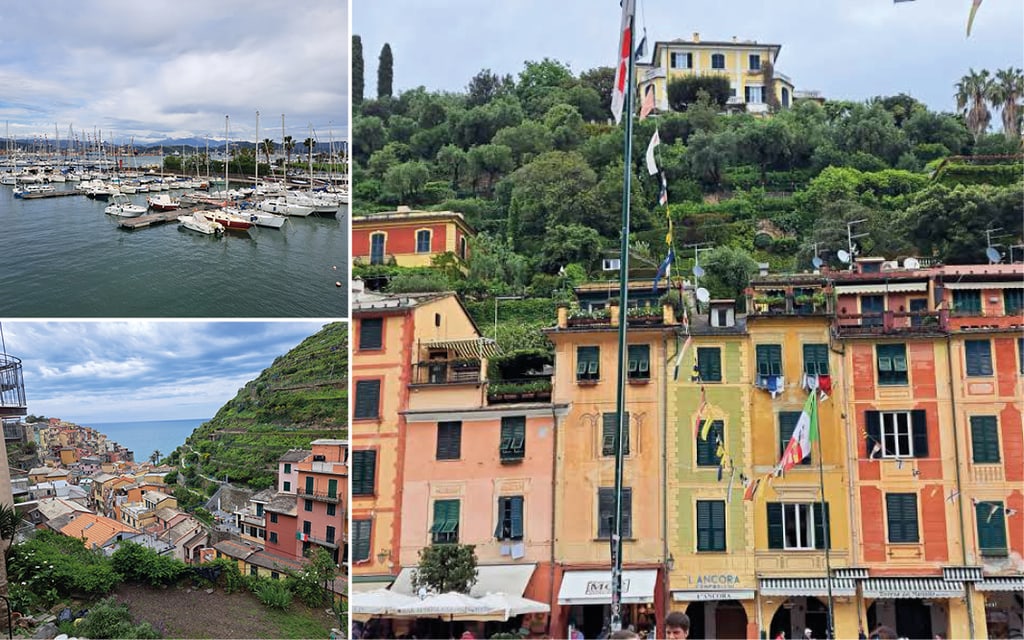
1001	583
472	348
595	587
806	587
1009	284
912	588
882	287
713	594
362	584
494	578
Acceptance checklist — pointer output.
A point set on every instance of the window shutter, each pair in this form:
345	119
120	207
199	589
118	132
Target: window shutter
707	450
309	485
703	525
608	428
363	528
370	333
978	354
605	509
919	429
627	512
501	518
449	440
709	364
873	426
985	439
991	528
776	533
822	524
517	517
367	398
787	423
364	469
894	517
718	525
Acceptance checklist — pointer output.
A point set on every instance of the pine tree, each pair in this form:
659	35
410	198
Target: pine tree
357	71
385	71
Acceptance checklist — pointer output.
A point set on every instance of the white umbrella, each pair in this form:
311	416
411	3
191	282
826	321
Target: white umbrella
379	602
449	604
514	605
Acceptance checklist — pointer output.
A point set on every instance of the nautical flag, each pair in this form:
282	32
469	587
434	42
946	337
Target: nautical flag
705	429
622	66
665	269
647	106
1010	512
641	49
804	433
992	512
652	167
751	489
970	19
701	408
663	201
679	356
728	493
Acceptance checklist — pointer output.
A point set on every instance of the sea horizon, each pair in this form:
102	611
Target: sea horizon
143	437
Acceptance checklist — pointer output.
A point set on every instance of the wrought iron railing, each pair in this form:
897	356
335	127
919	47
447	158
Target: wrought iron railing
319	496
447	371
12	385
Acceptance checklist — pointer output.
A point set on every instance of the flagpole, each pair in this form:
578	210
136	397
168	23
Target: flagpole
620	393
825	526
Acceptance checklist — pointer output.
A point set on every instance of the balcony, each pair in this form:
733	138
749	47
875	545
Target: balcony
889	323
520	390
251	520
442	372
319	496
789	303
12	387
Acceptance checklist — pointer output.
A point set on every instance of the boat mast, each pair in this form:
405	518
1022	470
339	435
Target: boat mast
256	184
227	154
312	143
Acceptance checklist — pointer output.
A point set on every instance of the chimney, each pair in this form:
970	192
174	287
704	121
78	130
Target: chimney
696	36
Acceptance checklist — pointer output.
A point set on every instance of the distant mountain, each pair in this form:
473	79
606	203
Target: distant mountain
301	397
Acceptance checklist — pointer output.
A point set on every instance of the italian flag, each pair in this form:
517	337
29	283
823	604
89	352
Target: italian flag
804	434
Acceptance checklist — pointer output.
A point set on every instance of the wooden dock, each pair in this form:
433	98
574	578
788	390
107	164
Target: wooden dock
52	194
154	218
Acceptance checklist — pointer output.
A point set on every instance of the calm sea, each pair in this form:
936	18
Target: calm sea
64	257
145	436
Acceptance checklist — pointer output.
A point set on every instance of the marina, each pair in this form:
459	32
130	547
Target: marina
65	257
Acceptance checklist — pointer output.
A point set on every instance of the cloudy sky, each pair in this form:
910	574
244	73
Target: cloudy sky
174	68
848	49
125	371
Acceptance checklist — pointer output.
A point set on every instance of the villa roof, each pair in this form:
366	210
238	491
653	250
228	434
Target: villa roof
257	556
95	530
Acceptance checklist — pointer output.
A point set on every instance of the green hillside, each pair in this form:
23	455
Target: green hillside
301	397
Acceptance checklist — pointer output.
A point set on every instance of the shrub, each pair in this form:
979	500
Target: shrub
141	564
108	619
272	593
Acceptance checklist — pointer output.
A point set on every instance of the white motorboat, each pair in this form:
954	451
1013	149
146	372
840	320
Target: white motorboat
281	206
124	207
201	224
264	219
163	202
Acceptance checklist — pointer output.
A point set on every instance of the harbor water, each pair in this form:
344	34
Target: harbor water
64	257
144	437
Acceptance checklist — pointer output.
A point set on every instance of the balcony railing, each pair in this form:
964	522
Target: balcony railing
892	322
447	372
12	387
324	542
319	496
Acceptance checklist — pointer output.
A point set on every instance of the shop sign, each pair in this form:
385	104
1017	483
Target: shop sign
710	581
604	587
886	594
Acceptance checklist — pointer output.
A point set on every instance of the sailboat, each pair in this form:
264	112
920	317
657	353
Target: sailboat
263	218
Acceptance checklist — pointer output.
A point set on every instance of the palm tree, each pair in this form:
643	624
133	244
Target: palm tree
972	93
155	456
309	143
1007	90
268	148
289	146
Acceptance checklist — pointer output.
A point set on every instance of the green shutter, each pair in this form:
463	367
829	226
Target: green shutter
367	404
517	517
605	509
776	533
873	427
627	512
985	439
608	427
371	333
707	450
364	471
587	359
449	440
709	364
332	489
816	359
1013	301
822	524
901	514
309	485
513	437
919	432
703	525
639	361
710	525
361	540
892	364
978	354
718	525
991	528
769	359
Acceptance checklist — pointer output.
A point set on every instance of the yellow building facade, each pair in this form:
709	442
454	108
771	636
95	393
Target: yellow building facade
749	66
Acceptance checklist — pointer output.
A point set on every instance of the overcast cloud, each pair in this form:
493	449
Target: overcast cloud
175	68
121	371
847	49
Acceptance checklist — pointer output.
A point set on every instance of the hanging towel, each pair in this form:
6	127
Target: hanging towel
825	385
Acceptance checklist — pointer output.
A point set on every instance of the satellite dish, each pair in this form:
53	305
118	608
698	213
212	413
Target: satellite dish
911	263
703	295
698	271
993	255
844	256
817	262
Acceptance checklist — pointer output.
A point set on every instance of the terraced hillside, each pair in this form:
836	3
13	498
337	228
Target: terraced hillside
302	396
